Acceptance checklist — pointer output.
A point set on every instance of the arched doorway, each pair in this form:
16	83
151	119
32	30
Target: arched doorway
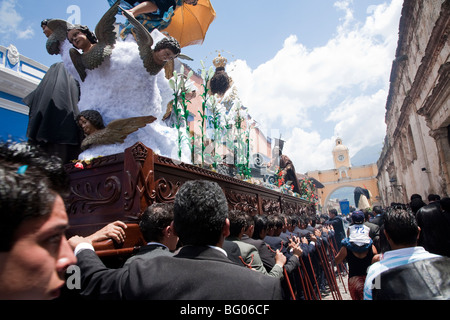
341	192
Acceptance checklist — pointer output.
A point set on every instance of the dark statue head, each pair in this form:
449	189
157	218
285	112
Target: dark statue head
84	29
44	22
94	117
220	82
169	43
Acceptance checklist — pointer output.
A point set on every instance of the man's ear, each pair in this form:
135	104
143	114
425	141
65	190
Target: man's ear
385	233
172	226
226	228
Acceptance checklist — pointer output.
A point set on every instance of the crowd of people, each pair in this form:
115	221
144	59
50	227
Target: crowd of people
198	249
399	252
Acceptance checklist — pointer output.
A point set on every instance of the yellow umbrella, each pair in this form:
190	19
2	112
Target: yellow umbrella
190	23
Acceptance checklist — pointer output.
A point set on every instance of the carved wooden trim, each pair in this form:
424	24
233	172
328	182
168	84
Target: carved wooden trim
139	184
240	201
121	187
166	190
87	196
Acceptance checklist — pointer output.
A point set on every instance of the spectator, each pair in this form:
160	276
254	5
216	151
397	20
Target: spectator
416	204
445	204
358	234
378	219
374	230
402	231
434	227
433	198
338	227
359	251
201	267
34	253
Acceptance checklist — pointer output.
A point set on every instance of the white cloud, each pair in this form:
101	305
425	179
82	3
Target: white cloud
11	22
309	151
361	120
346	79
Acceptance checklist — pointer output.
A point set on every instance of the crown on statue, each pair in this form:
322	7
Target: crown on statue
220	62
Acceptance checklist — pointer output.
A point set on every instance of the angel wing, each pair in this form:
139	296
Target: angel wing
116	131
59	28
145	42
104	30
106	36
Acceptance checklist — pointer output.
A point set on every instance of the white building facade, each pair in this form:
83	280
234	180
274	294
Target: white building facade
19	76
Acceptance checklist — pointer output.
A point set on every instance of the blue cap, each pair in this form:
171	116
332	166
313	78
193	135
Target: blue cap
358	217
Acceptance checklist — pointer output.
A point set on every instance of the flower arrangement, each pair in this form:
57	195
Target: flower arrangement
206	76
215	123
178	83
308	190
242	141
280	177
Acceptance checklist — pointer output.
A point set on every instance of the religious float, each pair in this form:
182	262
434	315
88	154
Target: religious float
121	186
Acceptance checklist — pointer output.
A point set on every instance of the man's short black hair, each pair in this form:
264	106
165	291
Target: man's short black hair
29	182
200	211
237	222
333	211
401	226
154	220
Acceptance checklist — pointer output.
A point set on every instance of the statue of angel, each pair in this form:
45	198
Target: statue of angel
96	133
154	59
56	33
116	83
95	47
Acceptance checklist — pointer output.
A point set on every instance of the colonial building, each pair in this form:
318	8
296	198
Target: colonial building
344	175
416	153
19	76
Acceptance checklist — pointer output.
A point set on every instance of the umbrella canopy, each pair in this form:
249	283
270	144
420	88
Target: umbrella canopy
190	23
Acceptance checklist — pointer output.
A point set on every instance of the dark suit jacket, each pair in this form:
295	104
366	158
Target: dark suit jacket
277	243
233	252
267	256
421	280
338	226
434	235
195	273
150	252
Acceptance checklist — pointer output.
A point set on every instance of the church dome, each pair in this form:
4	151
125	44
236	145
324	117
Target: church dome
339	146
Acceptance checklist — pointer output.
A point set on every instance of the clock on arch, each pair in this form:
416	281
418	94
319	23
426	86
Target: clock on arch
341	157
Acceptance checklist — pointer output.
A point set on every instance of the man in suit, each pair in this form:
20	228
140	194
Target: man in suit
157	229
249	253
255	231
434	227
338	226
200	271
272	237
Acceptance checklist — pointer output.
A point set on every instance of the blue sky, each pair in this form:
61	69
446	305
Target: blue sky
311	70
